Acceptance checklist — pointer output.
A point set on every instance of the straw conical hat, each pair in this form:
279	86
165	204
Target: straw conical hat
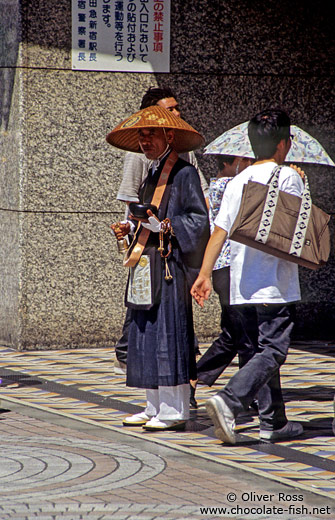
125	135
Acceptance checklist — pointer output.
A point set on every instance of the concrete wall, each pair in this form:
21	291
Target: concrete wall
62	281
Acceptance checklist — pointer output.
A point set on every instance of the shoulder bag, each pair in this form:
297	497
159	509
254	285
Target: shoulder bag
282	224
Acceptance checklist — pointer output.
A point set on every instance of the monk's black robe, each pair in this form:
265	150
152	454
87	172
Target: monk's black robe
161	340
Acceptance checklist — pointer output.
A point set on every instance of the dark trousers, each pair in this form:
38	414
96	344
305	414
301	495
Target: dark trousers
260	375
121	348
231	339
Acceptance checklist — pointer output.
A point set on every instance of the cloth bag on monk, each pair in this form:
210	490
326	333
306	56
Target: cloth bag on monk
282	224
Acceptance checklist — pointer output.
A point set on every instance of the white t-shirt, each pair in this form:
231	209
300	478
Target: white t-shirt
256	277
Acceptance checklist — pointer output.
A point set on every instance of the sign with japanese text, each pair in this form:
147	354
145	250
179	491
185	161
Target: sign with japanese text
121	35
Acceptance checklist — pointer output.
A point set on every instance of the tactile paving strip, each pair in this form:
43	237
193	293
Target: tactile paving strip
80	384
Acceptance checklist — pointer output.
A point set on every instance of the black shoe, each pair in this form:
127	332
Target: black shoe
193	402
289	431
254	406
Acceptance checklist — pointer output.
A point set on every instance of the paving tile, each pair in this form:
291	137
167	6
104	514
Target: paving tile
307	380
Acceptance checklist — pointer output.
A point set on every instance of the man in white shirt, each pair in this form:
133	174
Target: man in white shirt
263	289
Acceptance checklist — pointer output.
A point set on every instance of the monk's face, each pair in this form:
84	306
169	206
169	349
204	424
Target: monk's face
153	141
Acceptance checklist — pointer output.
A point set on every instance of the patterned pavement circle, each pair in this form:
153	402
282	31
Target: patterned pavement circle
69	467
80	384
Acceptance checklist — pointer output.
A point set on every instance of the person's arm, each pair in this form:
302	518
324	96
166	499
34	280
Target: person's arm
189	216
135	170
204	184
202	287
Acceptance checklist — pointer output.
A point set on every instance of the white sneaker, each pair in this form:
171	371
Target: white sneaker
223	419
156	425
290	430
138	419
120	368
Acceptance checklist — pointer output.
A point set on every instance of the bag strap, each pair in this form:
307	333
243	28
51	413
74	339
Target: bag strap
302	221
142	234
270	208
270	205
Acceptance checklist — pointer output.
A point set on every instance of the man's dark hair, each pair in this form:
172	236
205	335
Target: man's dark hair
222	159
266	130
155	94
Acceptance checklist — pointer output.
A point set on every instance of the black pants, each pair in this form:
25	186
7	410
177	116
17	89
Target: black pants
260	375
232	339
121	348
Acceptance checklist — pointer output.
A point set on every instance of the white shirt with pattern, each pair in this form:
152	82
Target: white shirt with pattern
217	187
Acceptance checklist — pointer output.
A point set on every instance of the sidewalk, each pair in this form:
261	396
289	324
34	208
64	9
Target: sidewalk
65	453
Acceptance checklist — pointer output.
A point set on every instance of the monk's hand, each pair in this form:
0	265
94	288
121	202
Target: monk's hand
201	289
298	170
120	229
153	223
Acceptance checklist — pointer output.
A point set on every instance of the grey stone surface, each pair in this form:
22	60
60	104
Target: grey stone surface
76	295
62	282
61	467
10	202
257	38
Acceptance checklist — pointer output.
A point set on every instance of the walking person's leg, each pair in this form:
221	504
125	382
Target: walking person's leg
121	348
272	417
274	325
230	341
